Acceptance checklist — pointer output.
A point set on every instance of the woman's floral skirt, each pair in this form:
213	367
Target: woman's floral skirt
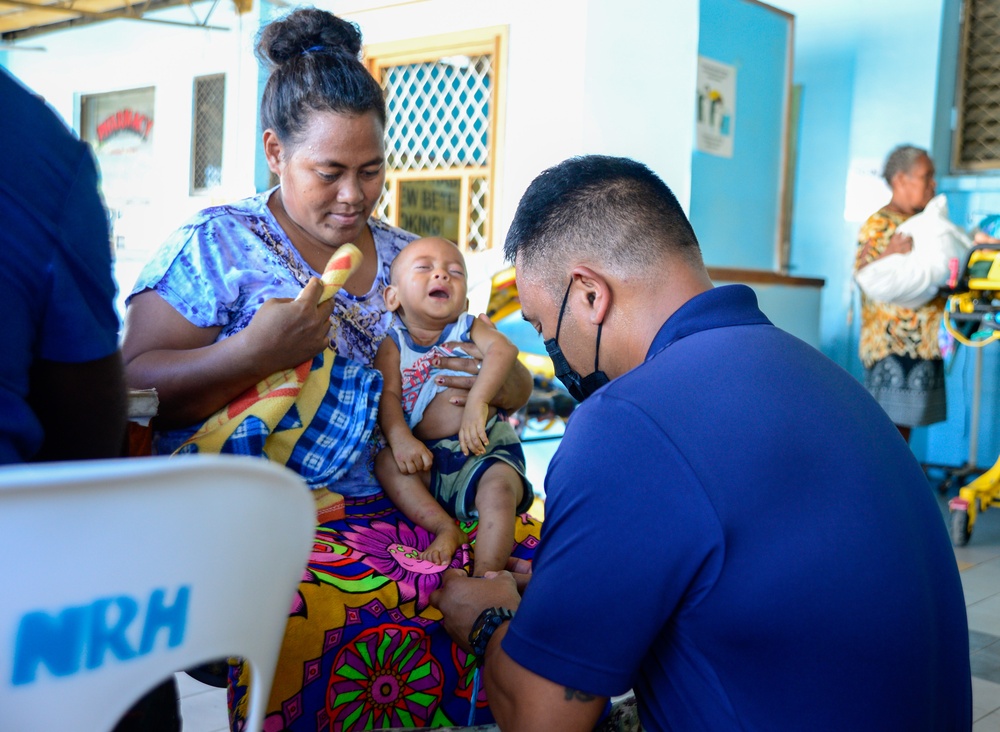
363	649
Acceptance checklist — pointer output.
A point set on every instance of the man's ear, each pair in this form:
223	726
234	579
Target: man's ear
391	297
272	150
596	290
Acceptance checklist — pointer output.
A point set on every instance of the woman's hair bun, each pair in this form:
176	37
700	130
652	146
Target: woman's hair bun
307	30
314	65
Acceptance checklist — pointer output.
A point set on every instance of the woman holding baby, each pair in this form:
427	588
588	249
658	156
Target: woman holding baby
899	349
233	297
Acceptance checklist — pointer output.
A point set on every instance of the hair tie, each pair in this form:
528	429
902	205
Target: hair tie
313	49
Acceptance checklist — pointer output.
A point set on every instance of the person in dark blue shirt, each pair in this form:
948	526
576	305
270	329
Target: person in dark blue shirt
734	528
62	384
62	389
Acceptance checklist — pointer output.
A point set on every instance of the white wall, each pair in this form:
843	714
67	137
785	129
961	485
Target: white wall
119	55
544	74
126	54
871	72
641	69
583	76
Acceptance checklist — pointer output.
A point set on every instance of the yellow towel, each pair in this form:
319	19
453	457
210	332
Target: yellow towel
277	417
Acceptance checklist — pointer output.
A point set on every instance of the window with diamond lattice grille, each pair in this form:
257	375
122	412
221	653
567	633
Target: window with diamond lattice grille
977	132
442	102
206	133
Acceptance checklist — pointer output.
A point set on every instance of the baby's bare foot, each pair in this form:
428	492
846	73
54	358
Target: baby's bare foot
444	546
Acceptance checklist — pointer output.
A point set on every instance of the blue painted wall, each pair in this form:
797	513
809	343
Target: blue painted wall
735	201
875	75
820	236
970	198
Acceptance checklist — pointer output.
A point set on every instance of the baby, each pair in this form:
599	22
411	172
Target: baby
441	455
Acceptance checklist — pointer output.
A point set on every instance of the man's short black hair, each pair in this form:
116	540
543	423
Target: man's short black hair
608	209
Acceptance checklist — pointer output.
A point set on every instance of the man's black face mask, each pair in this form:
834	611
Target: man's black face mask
579	387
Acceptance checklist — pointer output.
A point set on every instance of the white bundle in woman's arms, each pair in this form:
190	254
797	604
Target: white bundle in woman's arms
913	279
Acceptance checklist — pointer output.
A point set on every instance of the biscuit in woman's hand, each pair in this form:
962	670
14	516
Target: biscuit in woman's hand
341	266
338	270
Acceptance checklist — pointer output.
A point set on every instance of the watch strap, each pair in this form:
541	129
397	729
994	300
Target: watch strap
482	630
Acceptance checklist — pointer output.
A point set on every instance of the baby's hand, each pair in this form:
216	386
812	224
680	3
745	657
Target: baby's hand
472	435
412	456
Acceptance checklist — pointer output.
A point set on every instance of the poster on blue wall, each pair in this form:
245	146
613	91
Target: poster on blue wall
737	186
716	124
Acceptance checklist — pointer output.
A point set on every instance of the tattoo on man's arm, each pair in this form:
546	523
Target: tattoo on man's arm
576	694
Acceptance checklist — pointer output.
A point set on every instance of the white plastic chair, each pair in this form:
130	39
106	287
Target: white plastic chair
116	573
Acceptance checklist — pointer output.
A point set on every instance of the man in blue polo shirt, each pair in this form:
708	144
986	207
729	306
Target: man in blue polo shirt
734	529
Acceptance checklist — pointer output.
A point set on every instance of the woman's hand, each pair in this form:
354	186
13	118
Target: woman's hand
512	395
983	238
285	333
898	244
193	374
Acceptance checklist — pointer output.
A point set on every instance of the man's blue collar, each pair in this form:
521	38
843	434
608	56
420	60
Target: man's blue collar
719	307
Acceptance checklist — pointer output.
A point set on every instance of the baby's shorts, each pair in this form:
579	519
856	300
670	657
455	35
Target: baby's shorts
455	476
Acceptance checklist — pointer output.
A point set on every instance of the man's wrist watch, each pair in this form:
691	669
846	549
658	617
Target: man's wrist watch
482	630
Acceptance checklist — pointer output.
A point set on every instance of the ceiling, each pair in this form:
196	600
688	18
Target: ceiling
21	19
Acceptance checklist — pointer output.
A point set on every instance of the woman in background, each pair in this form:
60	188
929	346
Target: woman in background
899	349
